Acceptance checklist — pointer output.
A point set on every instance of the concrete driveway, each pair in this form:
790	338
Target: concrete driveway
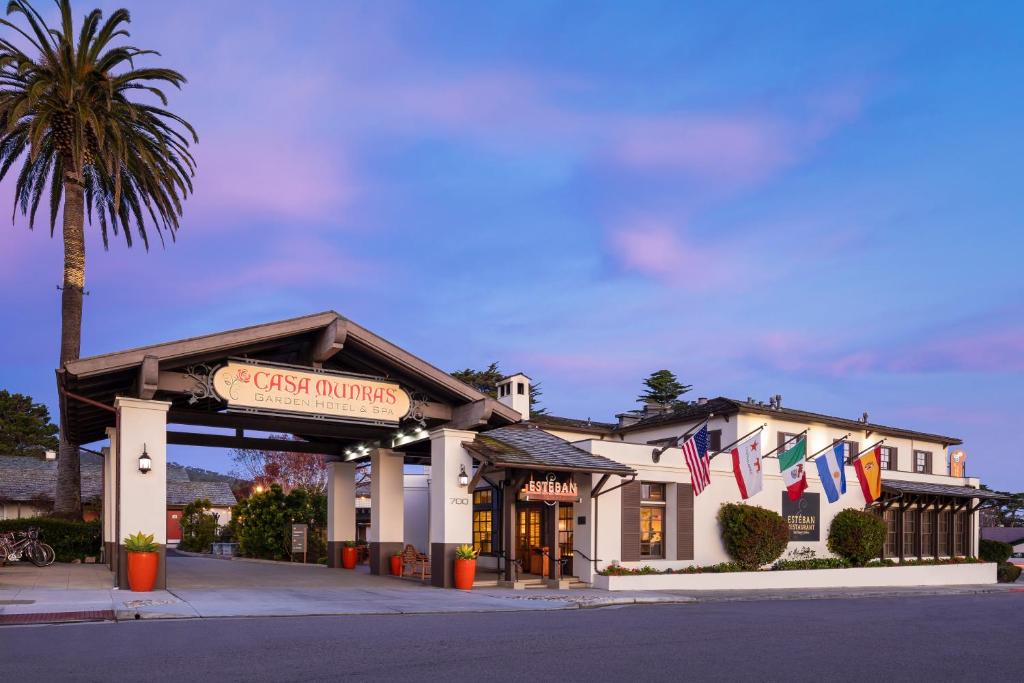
186	572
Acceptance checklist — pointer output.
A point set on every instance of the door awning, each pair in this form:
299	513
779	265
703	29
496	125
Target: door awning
527	447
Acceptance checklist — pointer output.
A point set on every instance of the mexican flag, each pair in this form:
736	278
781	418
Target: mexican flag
791	464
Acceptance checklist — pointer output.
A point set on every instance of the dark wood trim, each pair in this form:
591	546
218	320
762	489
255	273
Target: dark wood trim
594	492
476	478
330	341
149	377
226	441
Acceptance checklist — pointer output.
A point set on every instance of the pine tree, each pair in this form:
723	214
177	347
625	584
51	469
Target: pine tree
25	426
663	388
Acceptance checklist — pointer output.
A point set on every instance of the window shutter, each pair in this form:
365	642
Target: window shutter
894	461
928	464
684	522
715	440
630	522
855	449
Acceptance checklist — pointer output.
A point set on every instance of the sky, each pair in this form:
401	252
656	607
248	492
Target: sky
819	200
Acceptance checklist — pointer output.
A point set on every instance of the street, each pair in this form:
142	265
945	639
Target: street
925	638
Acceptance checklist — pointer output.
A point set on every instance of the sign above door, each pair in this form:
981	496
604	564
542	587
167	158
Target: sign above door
550	490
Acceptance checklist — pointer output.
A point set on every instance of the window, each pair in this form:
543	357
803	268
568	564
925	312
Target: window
944	532
928	533
959	528
910	533
483	520
888	459
788	439
520	388
889	550
715	440
565	520
922	461
652	521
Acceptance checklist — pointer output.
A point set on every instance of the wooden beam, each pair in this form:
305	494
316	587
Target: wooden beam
280	424
330	341
600	485
149	377
476	478
175	382
470	415
226	441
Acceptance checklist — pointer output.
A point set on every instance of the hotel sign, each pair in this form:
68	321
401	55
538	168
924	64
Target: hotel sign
284	389
550	490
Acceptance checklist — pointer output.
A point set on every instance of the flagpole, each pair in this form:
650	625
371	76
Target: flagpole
725	449
871	447
831	445
793	438
658	451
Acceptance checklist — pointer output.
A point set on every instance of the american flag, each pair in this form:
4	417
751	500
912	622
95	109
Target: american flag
695	451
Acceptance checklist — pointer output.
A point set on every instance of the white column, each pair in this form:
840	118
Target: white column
387	507
110	539
341	508
451	505
141	497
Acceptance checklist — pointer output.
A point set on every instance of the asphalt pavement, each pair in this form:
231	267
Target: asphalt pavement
934	638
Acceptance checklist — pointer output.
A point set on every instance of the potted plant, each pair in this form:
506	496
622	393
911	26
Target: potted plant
465	567
396	564
349	554
143	561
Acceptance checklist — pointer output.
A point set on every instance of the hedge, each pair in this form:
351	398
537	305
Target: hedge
994	551
753	536
1007	572
856	536
70	539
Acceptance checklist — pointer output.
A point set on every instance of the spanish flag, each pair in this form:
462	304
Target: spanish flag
869	472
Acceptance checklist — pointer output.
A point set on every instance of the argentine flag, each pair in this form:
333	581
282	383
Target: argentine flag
832	472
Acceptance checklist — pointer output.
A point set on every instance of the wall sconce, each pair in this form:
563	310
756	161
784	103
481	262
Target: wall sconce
463	477
145	462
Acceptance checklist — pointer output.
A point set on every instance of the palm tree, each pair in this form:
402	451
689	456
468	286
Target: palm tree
65	112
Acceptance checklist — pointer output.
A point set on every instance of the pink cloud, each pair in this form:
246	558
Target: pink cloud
658	249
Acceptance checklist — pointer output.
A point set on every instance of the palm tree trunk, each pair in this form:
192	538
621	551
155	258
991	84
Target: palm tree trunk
68	500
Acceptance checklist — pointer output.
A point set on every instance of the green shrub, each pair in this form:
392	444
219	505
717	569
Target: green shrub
812	563
994	551
70	539
753	536
198	527
262	523
857	536
1008	572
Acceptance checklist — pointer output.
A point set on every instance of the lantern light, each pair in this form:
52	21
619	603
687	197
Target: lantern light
463	477
145	462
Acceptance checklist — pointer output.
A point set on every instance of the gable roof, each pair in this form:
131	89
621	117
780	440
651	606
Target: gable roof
527	446
1004	534
101	378
27	479
728	406
545	421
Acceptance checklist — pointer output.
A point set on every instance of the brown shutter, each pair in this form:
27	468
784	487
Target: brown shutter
631	522
855	449
684	522
894	461
928	464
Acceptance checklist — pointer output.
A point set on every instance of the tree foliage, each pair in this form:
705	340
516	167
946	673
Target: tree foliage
994	551
66	108
663	388
262	523
287	469
753	536
25	426
857	536
198	526
486	382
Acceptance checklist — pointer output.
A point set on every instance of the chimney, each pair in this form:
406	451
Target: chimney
702	401
778	400
628	418
654	408
514	391
51	455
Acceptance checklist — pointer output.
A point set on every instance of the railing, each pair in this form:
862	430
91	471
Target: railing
588	559
517	568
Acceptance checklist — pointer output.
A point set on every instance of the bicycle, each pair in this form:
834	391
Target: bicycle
15	545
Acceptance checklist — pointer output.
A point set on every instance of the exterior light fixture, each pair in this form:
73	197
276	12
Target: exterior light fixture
259	488
145	462
463	477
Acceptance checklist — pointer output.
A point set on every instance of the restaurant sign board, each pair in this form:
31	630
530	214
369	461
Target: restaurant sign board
331	395
802	516
550	490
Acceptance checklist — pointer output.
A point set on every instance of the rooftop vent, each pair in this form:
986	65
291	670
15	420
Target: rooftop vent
702	401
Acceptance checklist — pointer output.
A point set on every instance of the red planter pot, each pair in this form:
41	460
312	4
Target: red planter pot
349	557
465	572
142	569
396	565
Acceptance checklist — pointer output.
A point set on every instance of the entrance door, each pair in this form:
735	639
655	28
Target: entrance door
530	538
565	522
173	525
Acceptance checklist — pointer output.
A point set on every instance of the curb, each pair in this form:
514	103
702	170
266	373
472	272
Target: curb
210	556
